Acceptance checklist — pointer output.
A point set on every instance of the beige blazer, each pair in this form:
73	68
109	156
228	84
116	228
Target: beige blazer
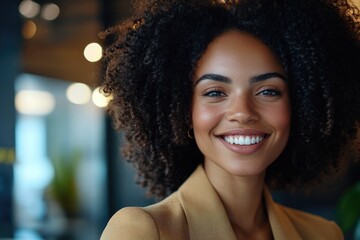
196	212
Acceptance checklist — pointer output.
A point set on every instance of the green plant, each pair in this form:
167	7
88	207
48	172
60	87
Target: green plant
348	209
64	186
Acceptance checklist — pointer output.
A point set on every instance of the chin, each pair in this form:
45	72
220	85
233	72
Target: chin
246	169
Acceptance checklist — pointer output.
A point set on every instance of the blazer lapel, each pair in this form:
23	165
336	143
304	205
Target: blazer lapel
281	225
205	214
207	218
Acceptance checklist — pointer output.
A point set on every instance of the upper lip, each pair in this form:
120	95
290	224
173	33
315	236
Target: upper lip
244	132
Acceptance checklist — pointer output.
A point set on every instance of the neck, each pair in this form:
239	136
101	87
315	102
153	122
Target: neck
242	199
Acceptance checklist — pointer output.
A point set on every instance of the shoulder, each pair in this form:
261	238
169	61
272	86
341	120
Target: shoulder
130	223
311	226
163	220
169	217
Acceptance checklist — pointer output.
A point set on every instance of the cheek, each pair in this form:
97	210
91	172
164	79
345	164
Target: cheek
204	118
281	117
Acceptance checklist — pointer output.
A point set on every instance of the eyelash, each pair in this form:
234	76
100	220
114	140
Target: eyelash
273	92
266	92
210	92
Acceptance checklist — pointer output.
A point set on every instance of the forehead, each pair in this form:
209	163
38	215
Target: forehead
240	51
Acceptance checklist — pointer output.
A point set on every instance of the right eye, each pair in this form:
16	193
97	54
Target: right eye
213	93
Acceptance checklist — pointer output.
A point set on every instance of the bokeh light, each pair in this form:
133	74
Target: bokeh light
99	99
34	102
29	29
93	52
29	8
50	11
78	93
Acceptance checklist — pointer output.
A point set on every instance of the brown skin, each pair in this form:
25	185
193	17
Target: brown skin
235	105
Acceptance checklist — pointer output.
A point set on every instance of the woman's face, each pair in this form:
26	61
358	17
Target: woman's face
241	107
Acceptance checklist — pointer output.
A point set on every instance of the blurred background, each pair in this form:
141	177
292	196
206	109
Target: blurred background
61	175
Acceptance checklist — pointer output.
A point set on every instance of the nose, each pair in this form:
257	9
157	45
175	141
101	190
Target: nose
242	109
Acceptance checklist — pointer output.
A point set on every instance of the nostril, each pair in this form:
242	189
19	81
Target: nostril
242	117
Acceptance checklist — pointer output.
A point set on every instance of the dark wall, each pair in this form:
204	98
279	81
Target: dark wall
10	44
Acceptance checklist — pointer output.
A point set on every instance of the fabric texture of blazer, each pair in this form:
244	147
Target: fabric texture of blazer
196	212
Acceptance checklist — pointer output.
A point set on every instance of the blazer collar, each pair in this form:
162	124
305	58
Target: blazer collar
205	213
281	226
207	218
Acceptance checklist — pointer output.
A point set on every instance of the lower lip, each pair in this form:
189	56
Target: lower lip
244	149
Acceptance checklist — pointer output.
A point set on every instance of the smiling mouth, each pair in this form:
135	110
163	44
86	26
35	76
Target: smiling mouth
244	140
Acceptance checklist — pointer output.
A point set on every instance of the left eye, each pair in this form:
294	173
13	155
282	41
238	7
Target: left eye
269	92
213	93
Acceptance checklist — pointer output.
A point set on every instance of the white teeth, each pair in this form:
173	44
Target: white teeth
243	140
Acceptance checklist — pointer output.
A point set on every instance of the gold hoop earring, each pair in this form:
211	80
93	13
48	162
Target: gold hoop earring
190	133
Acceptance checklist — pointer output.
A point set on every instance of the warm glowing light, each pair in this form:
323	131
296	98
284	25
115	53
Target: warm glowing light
78	93
99	99
29	29
93	52
50	11
33	102
29	8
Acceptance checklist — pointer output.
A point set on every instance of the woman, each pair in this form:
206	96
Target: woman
221	100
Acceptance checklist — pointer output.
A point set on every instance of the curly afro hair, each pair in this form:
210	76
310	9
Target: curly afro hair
151	61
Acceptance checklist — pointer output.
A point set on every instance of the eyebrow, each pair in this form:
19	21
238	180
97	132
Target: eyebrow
266	76
214	77
224	79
